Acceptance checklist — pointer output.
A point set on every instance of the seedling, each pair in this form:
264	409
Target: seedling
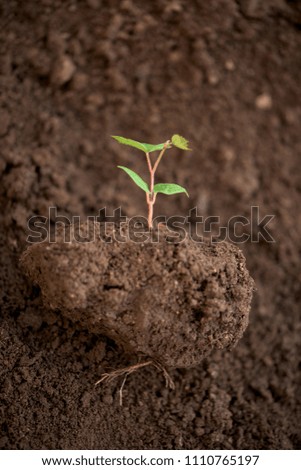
153	189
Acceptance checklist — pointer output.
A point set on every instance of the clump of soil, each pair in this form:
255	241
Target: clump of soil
169	300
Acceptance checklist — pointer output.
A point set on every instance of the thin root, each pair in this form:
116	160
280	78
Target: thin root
108	377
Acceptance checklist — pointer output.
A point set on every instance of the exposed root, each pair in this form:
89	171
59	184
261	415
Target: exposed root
126	371
168	380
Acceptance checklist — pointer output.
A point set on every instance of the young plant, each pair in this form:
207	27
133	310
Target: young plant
153	189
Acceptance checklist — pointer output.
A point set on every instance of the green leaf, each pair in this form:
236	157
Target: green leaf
169	188
180	142
132	143
147	148
136	178
152	148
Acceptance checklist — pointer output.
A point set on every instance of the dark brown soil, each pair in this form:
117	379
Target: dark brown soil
226	75
171	301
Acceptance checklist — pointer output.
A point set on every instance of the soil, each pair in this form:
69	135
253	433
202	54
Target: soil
171	301
225	74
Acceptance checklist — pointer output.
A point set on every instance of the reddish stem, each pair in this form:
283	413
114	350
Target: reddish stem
151	196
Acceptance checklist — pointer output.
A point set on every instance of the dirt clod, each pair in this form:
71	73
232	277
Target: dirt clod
63	70
175	302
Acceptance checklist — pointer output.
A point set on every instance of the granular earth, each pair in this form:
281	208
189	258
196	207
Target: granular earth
226	75
170	300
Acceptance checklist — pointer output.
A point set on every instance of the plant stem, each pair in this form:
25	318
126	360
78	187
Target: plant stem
167	143
149	162
150	213
151	196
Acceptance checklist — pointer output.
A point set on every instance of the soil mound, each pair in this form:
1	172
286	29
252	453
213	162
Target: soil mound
172	301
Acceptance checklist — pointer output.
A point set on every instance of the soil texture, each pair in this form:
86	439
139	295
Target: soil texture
172	301
226	75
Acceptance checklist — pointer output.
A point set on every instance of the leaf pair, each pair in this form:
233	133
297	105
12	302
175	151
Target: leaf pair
147	148
176	140
164	188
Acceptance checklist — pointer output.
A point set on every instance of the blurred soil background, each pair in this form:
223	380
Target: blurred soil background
226	75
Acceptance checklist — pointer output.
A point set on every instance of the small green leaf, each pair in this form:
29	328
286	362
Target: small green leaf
136	178
147	148
152	148
132	143
169	188
180	142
